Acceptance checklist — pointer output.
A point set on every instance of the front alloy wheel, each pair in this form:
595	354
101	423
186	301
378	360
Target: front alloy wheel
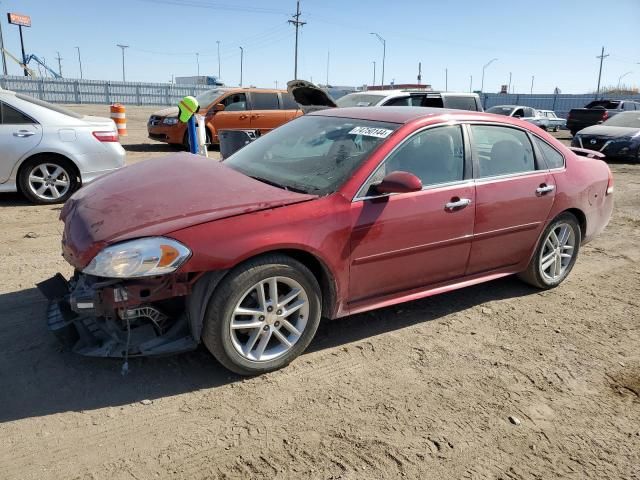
556	253
47	180
263	314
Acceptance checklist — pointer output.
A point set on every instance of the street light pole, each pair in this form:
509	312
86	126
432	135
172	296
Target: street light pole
79	62
483	69
198	62
374	73
470	83
241	60
4	59
532	77
218	42
122	47
621	77
446	79
384	54
509	89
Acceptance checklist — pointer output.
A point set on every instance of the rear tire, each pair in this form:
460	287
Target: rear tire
550	263
48	179
278	328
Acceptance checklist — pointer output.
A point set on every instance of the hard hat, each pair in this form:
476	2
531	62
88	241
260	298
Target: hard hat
188	106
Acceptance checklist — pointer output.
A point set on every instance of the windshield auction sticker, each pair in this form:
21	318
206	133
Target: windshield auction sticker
371	132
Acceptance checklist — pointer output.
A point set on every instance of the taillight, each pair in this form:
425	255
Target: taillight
106	136
610	184
605	115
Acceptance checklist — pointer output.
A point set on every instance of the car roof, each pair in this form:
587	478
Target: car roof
409	114
404	91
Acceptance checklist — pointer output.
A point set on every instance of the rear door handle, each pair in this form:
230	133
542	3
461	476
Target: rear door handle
542	189
23	133
457	204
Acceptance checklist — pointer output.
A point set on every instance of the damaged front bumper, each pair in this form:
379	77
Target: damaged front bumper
120	318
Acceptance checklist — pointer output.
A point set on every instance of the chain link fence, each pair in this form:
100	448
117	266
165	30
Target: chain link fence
61	90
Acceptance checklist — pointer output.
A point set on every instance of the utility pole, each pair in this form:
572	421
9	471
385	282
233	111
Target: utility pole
470	83
384	54
297	23
198	62
241	60
79	62
327	79
59	63
4	59
446	79
123	48
601	57
218	42
483	69
532	77
276	82
374	73
509	89
419	73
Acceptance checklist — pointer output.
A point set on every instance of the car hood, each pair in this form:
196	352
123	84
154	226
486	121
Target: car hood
167	112
309	97
607	131
157	197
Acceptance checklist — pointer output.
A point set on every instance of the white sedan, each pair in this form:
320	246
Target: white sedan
48	152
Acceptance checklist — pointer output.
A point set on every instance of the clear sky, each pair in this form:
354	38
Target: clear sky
556	41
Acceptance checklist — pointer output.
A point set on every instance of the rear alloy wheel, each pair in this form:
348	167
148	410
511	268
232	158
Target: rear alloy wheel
47	181
263	315
556	254
556	128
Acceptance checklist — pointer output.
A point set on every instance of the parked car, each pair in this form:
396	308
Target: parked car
527	114
412	98
597	112
237	108
337	212
555	123
48	151
617	138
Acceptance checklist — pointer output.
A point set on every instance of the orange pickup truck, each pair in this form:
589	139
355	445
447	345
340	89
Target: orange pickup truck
228	108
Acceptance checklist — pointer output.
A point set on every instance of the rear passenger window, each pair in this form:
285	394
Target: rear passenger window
11	116
264	101
502	150
460	103
550	154
398	102
433	101
288	103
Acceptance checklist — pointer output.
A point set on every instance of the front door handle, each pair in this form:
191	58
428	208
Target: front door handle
544	188
457	203
23	133
242	117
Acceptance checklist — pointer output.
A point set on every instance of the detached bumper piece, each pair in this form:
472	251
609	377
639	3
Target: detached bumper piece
81	318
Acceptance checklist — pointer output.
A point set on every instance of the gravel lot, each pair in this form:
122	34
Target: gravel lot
422	390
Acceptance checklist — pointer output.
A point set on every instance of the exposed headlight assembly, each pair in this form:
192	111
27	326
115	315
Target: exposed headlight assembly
170	120
139	258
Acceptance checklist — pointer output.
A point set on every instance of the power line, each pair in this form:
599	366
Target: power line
297	23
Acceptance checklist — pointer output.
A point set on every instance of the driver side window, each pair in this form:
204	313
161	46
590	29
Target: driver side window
435	156
235	103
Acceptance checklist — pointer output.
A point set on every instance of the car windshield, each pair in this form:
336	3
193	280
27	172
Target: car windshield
359	100
313	154
626	119
609	104
206	98
50	106
501	110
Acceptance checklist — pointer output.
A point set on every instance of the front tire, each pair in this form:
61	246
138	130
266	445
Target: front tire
556	253
263	315
48	180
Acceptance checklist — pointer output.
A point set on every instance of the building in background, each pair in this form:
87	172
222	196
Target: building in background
199	80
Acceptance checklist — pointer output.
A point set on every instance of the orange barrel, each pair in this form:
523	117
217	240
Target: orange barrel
118	115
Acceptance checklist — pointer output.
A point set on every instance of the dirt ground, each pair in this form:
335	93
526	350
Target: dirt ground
422	390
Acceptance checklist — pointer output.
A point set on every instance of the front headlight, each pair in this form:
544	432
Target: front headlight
139	258
170	120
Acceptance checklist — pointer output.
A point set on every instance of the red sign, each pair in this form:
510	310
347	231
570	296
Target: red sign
18	19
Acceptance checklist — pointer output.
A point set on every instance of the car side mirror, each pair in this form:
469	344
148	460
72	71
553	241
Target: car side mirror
218	107
398	182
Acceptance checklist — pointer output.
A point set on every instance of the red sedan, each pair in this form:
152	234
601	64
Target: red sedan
337	212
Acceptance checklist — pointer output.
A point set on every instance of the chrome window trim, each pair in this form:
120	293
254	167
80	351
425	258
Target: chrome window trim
428	187
360	195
